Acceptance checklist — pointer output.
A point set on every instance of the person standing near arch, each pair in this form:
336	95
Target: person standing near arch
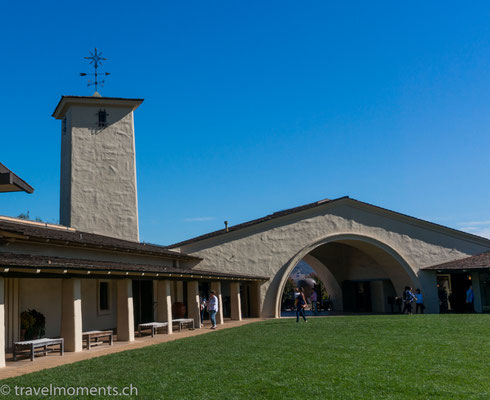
314	302
419	302
408	298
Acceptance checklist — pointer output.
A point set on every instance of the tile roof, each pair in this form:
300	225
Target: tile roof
29	261
480	261
40	232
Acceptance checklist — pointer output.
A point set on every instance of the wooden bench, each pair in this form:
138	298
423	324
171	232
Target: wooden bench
154	326
96	335
183	322
37	346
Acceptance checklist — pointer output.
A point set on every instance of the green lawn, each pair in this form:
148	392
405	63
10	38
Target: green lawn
355	357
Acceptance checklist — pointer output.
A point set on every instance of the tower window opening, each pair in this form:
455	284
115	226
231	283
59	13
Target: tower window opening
102	116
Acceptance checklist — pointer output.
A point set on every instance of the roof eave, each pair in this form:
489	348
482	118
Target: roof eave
65	101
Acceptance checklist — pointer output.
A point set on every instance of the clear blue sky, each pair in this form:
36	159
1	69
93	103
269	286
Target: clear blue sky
256	106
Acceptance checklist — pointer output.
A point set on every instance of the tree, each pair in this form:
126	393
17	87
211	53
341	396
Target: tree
289	289
288	294
24	216
27	217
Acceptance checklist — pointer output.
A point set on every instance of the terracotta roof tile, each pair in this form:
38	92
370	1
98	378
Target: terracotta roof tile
479	261
64	235
29	261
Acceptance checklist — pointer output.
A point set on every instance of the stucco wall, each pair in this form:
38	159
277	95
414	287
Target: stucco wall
100	196
91	318
43	295
274	247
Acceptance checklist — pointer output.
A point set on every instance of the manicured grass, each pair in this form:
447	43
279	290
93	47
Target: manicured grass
355	357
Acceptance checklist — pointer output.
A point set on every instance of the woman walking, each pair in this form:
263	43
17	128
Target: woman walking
300	305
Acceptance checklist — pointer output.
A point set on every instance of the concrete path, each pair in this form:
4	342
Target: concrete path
25	366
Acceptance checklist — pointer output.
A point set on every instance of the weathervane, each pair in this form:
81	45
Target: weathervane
95	60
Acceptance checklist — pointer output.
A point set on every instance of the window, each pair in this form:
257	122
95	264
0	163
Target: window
103	297
102	116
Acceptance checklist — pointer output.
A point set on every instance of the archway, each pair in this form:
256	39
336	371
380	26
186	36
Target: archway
353	264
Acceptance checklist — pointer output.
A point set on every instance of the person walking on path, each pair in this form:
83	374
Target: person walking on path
213	308
419	302
301	304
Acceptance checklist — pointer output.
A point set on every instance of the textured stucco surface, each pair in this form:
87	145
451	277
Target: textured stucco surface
45	296
98	172
400	245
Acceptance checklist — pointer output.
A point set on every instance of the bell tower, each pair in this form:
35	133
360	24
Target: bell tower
98	191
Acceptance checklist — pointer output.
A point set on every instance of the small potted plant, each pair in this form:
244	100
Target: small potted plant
32	325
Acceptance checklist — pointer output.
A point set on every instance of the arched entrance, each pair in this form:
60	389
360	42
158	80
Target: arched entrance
360	273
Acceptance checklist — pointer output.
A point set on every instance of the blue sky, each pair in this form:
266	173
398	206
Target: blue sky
252	107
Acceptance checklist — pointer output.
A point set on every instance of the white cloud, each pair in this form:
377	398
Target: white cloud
199	219
476	223
480	228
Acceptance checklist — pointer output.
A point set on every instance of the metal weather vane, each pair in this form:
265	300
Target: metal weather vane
95	60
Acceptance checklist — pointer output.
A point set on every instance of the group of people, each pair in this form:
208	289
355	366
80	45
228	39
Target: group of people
409	297
211	306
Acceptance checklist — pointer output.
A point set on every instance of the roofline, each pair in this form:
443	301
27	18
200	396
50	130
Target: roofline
15	180
116	244
257	221
42	264
430	225
61	108
283	213
447	265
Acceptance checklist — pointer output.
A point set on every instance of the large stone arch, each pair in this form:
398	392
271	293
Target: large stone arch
270	247
278	282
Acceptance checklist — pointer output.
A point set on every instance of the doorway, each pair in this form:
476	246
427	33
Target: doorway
143	301
459	285
356	296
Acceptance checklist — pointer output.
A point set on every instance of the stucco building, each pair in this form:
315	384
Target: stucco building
91	272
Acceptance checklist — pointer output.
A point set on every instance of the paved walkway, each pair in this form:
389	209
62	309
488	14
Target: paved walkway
25	366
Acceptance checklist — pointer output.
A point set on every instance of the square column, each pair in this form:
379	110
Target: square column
236	306
71	314
193	309
216	286
255	299
164	303
2	322
125	315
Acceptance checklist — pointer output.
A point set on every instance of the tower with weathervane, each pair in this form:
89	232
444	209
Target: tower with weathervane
98	192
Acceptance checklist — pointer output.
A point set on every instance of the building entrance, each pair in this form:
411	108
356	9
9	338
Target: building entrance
356	296
459	285
142	301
